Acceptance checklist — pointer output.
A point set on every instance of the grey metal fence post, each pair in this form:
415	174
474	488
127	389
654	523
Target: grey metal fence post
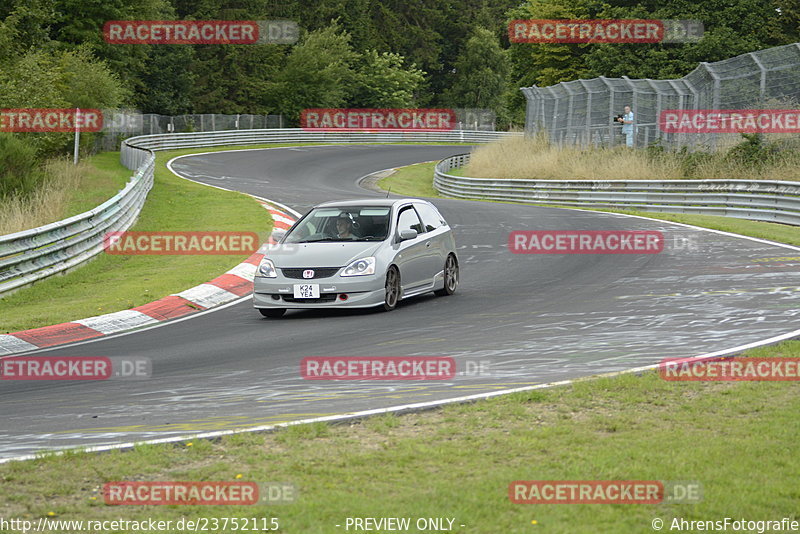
610	89
570	111
551	120
588	131
714	98
681	94
762	90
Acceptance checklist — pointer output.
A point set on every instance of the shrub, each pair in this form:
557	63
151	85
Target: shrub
19	172
753	151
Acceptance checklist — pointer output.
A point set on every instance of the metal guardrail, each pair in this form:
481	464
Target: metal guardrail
40	252
130	157
758	200
32	255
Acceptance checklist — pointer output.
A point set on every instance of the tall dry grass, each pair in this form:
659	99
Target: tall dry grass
49	203
535	158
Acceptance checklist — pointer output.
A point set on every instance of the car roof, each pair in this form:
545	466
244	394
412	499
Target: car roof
377	202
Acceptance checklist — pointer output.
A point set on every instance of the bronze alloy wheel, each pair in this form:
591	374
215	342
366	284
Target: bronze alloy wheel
450	277
392	289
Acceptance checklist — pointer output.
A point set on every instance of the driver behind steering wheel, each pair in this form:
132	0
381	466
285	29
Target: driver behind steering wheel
345	226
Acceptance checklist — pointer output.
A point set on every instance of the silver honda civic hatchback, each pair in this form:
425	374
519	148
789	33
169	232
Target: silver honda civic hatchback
358	254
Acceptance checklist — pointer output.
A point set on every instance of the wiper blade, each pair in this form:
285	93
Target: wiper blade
319	240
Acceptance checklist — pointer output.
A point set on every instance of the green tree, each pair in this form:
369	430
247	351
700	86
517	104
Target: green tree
79	23
544	64
789	17
427	33
383	82
235	78
548	63
319	72
26	25
59	79
731	28
481	74
169	95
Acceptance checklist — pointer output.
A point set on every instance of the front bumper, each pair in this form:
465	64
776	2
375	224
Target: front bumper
362	292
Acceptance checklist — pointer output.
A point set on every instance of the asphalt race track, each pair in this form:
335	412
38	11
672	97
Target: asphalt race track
532	318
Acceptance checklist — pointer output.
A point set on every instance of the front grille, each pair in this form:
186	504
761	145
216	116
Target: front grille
319	272
323	297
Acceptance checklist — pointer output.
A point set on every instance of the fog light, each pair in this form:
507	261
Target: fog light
343	296
276	297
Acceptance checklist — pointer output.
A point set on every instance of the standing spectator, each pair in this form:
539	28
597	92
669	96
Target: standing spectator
627	126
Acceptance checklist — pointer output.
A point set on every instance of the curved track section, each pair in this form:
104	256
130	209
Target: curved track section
533	318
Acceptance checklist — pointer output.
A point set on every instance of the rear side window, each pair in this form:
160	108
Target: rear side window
408	220
431	218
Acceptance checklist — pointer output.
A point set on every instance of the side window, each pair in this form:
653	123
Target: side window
430	217
408	219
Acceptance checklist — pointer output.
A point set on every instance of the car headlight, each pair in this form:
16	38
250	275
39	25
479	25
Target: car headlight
266	269
360	267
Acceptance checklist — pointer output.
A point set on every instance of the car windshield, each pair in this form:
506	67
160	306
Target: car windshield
348	223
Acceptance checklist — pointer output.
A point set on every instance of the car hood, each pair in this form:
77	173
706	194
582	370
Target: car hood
332	254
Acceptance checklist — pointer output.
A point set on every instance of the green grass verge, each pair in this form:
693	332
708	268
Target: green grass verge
104	181
740	440
417	180
112	283
413	180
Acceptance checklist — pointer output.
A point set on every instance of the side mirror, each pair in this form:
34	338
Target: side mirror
278	234
407	234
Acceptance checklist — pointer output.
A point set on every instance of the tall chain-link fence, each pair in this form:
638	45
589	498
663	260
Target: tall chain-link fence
121	124
581	112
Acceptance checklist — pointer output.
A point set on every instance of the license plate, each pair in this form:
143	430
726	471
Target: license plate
306	291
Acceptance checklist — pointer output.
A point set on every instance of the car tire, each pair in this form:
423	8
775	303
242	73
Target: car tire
450	277
392	293
272	313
